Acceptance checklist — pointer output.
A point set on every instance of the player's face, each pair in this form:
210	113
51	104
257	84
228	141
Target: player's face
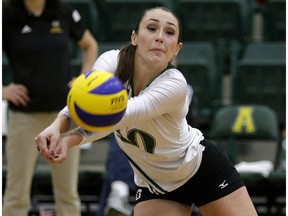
157	37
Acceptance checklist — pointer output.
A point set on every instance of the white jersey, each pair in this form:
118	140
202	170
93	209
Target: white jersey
164	151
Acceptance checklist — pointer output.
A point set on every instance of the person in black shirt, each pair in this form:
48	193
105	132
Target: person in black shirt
36	39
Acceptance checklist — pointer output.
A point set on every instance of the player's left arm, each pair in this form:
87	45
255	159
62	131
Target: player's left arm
165	96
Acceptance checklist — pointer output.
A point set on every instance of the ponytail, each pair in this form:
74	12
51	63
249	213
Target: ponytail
126	63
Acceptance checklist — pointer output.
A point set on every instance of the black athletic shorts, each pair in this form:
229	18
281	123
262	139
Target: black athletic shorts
215	178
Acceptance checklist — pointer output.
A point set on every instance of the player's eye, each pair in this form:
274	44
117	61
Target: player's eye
170	32
151	29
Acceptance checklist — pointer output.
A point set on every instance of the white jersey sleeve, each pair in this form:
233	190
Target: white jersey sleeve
108	61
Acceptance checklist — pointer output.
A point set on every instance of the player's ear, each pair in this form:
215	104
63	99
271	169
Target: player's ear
179	47
133	38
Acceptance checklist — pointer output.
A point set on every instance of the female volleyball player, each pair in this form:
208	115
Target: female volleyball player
174	165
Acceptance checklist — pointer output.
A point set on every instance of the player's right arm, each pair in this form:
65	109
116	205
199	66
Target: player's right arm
48	140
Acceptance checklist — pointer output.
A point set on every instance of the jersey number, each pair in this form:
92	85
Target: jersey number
139	138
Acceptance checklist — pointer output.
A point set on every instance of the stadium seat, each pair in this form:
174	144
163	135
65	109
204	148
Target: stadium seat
277	193
103	47
260	76
249	137
90	183
220	22
212	20
196	62
277	182
277	18
122	15
266	21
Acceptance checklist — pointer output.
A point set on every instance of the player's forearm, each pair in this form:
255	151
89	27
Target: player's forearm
61	123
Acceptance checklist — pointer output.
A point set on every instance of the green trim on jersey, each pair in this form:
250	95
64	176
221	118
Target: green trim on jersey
156	188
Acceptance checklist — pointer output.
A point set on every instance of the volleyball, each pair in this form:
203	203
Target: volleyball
97	100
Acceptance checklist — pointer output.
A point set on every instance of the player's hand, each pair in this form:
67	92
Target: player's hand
47	138
17	94
60	149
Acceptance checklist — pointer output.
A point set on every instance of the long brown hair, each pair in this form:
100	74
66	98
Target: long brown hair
126	56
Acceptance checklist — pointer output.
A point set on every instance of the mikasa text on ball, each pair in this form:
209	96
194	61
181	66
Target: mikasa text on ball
97	100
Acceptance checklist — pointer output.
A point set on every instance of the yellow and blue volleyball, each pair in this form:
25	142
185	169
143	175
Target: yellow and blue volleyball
97	100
